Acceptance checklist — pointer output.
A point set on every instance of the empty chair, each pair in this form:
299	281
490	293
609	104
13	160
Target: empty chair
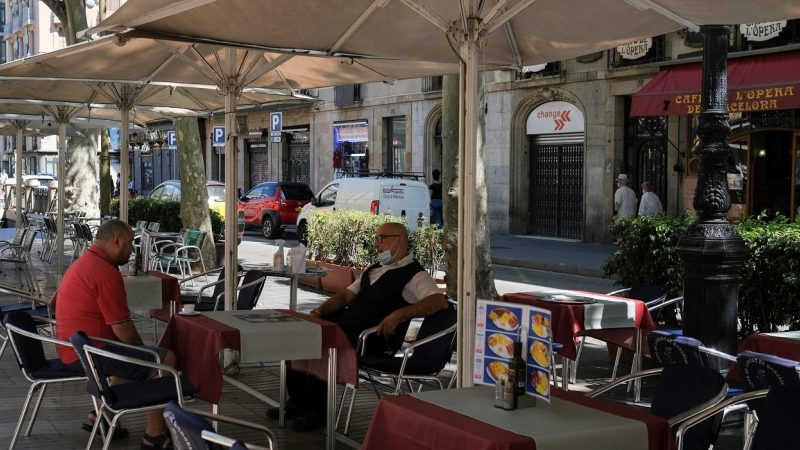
30	304
681	389
28	347
204	303
778	414
134	396
20	256
248	292
191	429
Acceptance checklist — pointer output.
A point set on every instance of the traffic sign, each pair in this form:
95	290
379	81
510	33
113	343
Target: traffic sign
218	136
172	142
275	123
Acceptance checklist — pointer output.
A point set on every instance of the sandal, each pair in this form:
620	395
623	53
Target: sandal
119	431
162	441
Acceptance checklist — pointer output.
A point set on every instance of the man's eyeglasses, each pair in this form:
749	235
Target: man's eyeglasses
380	237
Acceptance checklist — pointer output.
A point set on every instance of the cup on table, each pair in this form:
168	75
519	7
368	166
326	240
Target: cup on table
188	308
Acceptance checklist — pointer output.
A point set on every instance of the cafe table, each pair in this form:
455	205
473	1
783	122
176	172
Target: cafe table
784	344
617	320
467	419
144	291
310	272
261	335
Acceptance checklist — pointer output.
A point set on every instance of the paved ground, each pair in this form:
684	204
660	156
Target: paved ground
65	407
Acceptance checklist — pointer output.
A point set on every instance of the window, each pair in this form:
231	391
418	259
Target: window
255	193
216	192
157	193
168	193
269	190
396	159
328	196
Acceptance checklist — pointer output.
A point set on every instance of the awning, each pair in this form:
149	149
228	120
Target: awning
756	83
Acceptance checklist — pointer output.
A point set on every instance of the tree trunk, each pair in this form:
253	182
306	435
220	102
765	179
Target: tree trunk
81	192
194	195
484	281
106	181
76	20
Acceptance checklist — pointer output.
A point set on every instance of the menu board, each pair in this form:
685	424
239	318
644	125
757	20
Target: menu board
144	250
498	326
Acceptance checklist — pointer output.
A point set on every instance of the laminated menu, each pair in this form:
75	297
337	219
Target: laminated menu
498	325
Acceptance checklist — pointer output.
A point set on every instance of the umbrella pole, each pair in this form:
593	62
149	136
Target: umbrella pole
18	176
124	163
62	144
231	166
468	146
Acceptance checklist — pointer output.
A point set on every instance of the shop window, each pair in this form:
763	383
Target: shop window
351	148
396	159
432	84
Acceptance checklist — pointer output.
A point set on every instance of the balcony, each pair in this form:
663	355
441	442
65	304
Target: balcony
17	22
28	17
8	30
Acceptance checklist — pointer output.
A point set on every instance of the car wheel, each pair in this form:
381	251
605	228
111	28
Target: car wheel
268	228
302	233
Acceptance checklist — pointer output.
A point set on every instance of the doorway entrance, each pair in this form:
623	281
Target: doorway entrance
764	174
556	190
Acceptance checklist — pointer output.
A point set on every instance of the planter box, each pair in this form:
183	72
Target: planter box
338	278
313	282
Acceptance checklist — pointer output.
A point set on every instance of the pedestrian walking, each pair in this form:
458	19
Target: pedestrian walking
650	204
437	207
624	199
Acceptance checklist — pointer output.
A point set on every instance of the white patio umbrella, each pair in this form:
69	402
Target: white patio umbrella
468	32
238	72
75	115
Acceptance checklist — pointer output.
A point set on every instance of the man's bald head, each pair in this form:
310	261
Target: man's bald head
115	238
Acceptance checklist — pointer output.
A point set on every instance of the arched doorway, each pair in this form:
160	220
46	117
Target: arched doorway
556	147
764	173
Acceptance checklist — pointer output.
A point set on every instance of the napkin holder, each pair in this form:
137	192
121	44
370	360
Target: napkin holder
297	259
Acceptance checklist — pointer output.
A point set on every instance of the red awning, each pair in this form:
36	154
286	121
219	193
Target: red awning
756	83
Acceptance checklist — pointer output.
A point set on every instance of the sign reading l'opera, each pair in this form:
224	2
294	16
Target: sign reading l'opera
761	31
635	49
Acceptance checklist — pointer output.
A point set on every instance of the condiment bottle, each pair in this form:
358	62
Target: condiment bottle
509	397
517	367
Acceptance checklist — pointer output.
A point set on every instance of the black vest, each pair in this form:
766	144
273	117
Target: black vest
376	301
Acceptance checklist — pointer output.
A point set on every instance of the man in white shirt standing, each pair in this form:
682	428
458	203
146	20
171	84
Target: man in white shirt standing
650	204
624	199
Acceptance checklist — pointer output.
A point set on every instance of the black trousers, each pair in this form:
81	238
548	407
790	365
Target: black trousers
307	392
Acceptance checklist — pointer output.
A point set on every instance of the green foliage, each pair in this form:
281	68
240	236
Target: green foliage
426	244
769	293
164	212
345	237
769	290
647	254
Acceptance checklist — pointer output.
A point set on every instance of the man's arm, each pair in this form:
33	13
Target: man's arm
422	308
335	303
126	333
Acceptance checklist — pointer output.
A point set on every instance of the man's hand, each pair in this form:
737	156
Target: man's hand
389	324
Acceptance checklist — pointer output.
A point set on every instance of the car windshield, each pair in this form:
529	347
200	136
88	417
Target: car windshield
216	192
296	191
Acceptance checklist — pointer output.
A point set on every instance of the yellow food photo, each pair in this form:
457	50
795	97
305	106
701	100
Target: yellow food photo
540	325
496	369
540	354
504	319
540	382
501	345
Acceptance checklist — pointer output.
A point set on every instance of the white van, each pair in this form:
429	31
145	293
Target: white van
378	195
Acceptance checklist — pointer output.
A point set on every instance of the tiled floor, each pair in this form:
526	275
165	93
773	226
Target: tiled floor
65	406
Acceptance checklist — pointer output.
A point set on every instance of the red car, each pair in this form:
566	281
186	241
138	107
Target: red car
274	206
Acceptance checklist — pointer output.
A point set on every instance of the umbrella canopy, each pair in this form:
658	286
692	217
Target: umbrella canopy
9	129
518	32
471	33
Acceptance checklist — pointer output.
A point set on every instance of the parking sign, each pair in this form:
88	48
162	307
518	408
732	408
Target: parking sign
218	136
172	142
275	123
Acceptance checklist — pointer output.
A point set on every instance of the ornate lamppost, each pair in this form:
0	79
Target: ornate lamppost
712	250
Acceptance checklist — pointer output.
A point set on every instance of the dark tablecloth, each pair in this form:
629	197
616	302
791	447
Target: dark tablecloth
170	292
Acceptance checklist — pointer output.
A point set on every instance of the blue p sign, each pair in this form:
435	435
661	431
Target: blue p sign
218	136
276	122
172	142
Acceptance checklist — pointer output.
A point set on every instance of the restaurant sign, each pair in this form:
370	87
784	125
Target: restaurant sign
762	31
761	99
635	49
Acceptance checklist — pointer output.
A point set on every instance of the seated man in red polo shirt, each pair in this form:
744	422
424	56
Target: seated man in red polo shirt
395	289
92	299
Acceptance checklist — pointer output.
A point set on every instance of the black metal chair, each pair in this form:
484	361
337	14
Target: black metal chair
28	347
32	305
206	303
134	396
682	392
778	414
191	429
420	362
249	290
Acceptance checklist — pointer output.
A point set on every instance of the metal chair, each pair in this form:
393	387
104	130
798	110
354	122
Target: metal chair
183	253
191	429
30	304
683	391
778	415
250	289
131	397
421	361
204	303
28	347
20	256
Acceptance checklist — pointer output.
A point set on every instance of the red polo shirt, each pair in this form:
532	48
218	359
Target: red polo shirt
91	298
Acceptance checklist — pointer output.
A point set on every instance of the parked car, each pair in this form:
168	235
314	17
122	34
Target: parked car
171	190
379	195
274	206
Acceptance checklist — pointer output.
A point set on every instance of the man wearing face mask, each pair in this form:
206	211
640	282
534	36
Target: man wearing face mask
395	289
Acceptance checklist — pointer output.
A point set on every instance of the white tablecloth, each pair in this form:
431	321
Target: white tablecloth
144	292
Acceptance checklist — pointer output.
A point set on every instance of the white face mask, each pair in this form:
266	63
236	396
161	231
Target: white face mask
385	257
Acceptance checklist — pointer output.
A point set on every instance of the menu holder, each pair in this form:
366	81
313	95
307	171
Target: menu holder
496	329
144	249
